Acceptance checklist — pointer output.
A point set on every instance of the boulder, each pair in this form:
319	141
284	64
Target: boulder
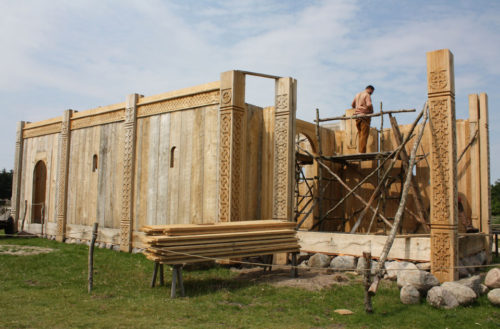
319	260
393	268
421	280
409	295
492	279
494	296
462	272
439	297
483	289
474	282
303	264
109	246
424	266
343	263
463	294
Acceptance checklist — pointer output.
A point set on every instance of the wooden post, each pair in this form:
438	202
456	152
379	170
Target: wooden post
484	150
441	93
475	169
16	177
284	148
91	257
367	281
129	137
231	146
62	174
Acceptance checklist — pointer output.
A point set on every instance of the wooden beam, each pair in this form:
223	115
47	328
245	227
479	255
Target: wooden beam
484	150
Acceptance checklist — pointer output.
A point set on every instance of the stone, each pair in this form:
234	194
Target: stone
303	256
492	279
474	282
484	290
303	264
494	296
343	263
409	295
102	245
109	246
393	268
342	311
421	280
424	266
462	272
319	260
439	297
463	294
116	247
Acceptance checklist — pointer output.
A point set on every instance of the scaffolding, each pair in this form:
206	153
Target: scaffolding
316	187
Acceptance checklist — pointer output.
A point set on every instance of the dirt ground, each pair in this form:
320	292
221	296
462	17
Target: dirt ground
307	279
23	250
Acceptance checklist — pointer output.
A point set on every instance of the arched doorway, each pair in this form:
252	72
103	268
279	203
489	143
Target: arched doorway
39	186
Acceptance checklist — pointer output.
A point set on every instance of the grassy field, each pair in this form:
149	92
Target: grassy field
49	291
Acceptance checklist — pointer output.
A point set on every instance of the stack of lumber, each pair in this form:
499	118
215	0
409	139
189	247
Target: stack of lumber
179	244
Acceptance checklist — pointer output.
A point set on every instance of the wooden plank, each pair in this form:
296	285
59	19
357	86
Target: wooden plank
417	249
162	206
475	168
210	246
484	150
210	149
218	236
222	240
196	166
174	171
185	155
154	143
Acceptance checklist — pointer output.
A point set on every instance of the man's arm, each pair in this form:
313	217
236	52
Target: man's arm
354	103
369	105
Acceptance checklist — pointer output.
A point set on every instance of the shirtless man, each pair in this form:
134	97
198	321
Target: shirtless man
362	103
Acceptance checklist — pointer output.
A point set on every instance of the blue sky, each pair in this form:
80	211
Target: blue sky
83	54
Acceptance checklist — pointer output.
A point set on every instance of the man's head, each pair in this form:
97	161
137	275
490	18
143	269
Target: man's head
370	89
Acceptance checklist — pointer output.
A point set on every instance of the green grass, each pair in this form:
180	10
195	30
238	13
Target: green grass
49	291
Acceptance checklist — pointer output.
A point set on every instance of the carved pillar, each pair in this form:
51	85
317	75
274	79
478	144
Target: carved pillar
62	174
475	182
129	137
284	148
484	150
16	177
441	93
231	146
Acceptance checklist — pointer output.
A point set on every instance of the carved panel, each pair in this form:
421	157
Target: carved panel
99	119
226	97
441	258
280	167
128	177
53	128
16	179
62	175
282	102
438	79
237	148
224	163
180	103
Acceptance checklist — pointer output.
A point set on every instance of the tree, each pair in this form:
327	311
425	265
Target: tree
5	184
495	198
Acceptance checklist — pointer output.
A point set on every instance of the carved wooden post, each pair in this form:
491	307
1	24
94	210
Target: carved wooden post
16	177
62	174
441	93
284	148
475	195
484	150
129	136
231	146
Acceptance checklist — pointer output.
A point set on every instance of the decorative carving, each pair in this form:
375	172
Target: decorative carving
128	176
226	97
281	102
53	128
179	103
441	258
438	79
280	167
16	179
62	175
99	119
236	165
224	163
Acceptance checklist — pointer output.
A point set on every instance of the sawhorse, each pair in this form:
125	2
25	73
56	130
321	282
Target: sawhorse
176	279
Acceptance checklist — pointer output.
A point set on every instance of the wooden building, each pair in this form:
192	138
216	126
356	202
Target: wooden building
202	155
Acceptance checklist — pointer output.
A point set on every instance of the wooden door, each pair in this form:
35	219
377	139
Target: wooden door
39	186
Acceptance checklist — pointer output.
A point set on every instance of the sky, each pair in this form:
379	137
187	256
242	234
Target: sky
76	54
